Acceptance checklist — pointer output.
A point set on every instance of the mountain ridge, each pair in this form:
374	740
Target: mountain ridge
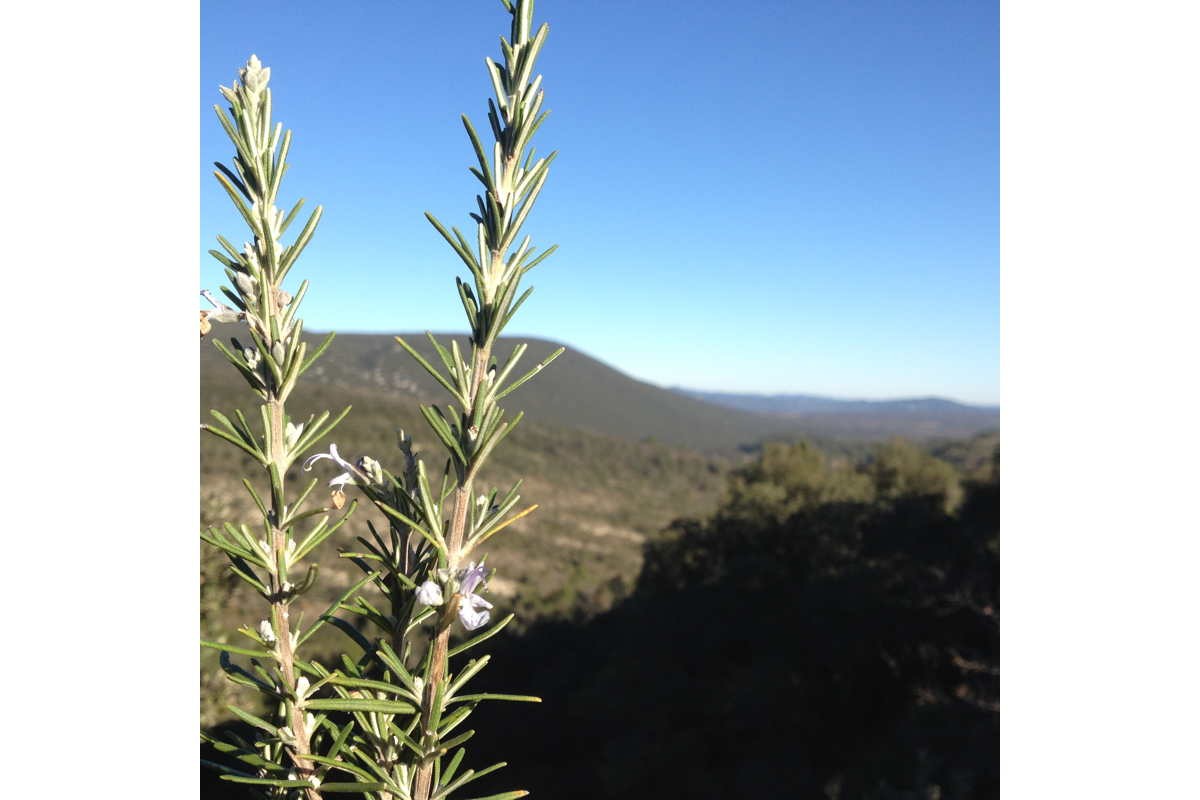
803	403
581	391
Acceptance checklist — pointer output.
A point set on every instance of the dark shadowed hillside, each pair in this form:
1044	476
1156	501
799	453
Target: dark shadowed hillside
797	644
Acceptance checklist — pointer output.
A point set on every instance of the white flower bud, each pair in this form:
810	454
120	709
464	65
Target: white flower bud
291	433
430	594
372	468
301	687
250	253
246	283
266	632
254	75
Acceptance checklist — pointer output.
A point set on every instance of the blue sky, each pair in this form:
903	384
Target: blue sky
772	196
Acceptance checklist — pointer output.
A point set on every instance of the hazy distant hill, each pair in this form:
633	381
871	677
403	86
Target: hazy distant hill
914	416
793	404
581	392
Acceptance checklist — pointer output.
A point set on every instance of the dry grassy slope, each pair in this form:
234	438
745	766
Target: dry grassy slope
598	495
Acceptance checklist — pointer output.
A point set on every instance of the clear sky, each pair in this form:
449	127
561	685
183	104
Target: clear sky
767	196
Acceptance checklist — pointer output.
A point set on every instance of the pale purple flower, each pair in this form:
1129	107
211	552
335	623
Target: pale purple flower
341	480
220	312
367	472
472	576
473	613
472	609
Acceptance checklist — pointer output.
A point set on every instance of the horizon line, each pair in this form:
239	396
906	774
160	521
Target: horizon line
980	404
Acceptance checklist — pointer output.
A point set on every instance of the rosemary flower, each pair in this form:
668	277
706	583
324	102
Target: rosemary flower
338	481
472	609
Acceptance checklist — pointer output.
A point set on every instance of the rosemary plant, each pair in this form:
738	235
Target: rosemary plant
428	565
387	722
272	561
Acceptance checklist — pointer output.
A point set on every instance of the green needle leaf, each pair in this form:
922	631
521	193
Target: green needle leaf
361	704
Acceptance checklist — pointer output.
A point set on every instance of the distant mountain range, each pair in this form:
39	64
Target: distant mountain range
578	391
923	416
792	404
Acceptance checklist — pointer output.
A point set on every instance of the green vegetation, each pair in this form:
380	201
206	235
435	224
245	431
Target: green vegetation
868	570
977	458
601	498
789	478
818	647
